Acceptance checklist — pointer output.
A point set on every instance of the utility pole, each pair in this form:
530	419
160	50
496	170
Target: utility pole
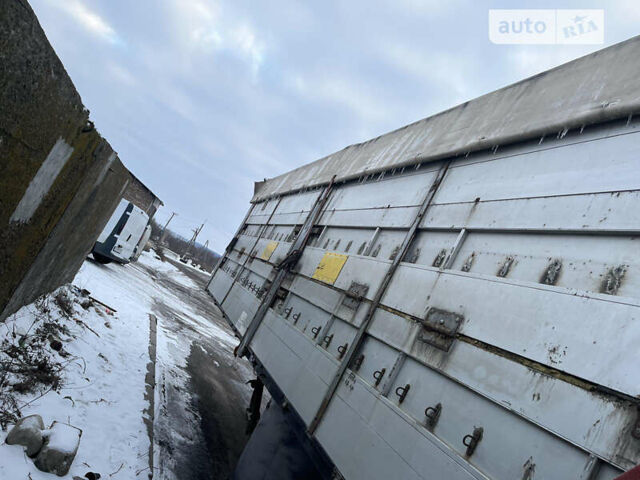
192	242
164	229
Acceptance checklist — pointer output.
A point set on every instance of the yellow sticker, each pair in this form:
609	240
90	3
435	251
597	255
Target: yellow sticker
268	250
329	267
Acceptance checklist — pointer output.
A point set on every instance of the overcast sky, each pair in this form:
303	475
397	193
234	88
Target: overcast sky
201	98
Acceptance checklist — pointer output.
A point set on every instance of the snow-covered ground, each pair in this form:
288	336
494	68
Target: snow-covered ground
102	391
200	393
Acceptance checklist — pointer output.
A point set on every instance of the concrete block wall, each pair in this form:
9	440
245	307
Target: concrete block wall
59	179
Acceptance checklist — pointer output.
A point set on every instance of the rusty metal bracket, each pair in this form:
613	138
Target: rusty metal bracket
506	266
315	331
552	272
354	295
613	279
472	441
296	317
342	349
439	260
433	415
287	312
439	328
327	340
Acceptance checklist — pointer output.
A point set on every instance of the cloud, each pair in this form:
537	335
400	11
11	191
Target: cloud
121	74
209	29
339	91
89	20
440	69
245	41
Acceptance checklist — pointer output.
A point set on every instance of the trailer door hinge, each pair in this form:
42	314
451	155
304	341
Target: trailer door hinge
440	328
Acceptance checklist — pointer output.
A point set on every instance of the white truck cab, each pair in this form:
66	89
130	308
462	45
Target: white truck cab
122	238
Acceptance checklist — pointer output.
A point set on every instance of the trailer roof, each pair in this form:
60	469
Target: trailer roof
602	86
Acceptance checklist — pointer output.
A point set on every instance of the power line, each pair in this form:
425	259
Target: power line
192	242
164	229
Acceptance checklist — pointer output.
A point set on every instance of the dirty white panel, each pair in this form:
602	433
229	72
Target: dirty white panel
244	243
377	362
395	217
359	421
220	285
261	211
298	203
588	212
304	315
504	432
431	248
299	368
240	306
320	295
561	329
538	397
336	339
387	244
601	165
344	240
574	261
391	191
410	289
280	253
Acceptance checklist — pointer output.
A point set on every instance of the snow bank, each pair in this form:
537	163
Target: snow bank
101	393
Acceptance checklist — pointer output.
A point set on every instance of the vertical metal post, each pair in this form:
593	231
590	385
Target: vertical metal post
285	266
371	241
591	469
264	229
373	306
164	229
331	320
230	245
453	253
393	374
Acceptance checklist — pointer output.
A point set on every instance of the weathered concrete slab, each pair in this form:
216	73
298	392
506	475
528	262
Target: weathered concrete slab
60	180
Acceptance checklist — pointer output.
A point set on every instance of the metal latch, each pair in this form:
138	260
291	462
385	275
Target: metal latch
402	392
472	441
433	414
440	328
378	374
354	295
